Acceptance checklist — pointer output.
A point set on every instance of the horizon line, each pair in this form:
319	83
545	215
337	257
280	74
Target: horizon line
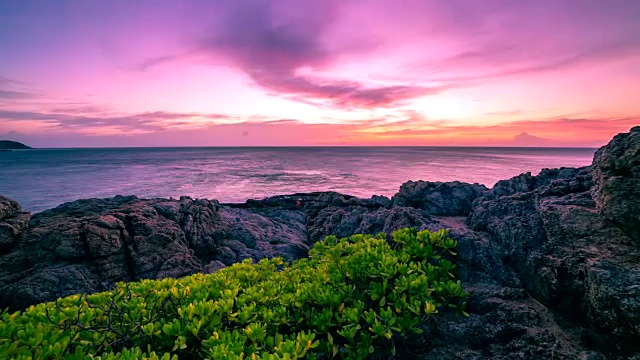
312	146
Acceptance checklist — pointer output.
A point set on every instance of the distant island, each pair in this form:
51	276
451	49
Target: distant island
13	145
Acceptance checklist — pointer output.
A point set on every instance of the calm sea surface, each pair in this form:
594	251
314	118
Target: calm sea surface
41	179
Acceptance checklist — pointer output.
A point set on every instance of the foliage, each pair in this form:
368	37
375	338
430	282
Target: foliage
351	298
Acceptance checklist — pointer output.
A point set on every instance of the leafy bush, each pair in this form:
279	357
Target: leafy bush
351	298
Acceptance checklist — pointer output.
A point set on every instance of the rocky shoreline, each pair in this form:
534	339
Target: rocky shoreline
552	261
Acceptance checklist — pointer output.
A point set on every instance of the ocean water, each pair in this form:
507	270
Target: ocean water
44	178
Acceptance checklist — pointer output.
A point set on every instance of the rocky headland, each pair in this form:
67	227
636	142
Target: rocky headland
552	261
13	145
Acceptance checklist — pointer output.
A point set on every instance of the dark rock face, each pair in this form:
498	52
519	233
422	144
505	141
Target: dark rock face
552	261
616	172
346	221
439	198
576	179
12	145
88	245
313	202
567	255
12	221
8	207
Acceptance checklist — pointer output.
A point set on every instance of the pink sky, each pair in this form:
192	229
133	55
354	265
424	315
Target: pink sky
318	72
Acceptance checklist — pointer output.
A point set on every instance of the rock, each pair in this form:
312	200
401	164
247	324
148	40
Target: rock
214	266
439	198
346	221
57	281
579	178
567	255
8	207
12	145
89	245
264	233
314	201
616	175
505	322
12	222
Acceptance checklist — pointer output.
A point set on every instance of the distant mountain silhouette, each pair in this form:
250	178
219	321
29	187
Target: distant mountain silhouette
526	139
12	145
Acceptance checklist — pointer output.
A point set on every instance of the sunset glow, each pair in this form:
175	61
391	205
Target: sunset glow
325	72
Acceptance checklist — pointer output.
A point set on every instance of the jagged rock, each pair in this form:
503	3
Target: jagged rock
346	221
314	201
214	266
616	172
88	245
264	233
505	322
12	221
439	198
577	179
8	207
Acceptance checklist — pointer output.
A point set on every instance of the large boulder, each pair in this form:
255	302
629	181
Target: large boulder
439	198
12	221
8	207
349	220
263	233
616	176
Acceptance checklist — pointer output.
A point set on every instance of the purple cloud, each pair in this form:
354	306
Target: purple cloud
15	95
78	119
271	40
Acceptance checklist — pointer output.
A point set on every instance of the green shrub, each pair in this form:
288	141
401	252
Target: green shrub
351	298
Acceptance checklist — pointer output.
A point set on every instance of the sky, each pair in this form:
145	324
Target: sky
89	73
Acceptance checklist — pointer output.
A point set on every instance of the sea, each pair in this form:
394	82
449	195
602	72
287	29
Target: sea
45	178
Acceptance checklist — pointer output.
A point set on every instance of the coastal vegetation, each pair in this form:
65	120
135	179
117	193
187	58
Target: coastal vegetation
358	297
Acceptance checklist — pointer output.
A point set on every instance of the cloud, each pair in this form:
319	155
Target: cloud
347	95
77	119
271	41
7	81
594	132
504	113
517	67
13	135
154	61
246	133
16	95
401	128
468	42
398	127
10	90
